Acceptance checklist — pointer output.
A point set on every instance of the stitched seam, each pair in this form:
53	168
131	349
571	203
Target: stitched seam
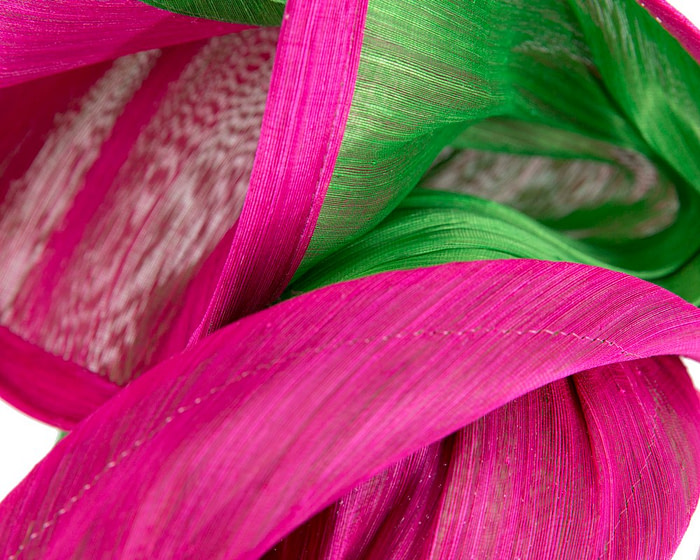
628	499
630	494
246	373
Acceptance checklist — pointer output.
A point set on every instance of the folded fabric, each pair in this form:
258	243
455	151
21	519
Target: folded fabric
227	447
256	272
42	37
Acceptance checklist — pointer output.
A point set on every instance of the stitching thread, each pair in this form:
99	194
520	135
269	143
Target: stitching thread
628	499
246	373
640	476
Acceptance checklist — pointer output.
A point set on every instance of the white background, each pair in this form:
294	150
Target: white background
24	442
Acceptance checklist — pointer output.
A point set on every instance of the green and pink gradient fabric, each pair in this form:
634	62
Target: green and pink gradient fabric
370	279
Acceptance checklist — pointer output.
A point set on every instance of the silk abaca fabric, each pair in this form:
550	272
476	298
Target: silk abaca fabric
286	272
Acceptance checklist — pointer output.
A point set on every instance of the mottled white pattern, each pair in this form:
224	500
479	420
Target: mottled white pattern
36	203
177	193
552	188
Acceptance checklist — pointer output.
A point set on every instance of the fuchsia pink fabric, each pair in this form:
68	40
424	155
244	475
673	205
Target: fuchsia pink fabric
89	186
676	24
42	37
293	166
60	392
224	453
126	116
511	409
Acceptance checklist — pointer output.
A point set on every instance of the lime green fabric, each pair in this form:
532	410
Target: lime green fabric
432	227
593	80
255	12
581	79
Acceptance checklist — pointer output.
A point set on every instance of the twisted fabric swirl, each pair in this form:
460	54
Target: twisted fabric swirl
347	280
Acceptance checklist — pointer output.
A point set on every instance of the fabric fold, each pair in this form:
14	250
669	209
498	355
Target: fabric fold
73	167
540	477
300	138
181	176
43	37
604	71
47	387
257	12
261	425
181	151
431	227
114	201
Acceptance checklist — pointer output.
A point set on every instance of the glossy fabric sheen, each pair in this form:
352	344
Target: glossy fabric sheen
387	378
258	12
42	37
432	385
283	198
300	139
60	392
601	78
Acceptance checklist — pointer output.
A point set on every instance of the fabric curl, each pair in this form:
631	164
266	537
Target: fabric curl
351	280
